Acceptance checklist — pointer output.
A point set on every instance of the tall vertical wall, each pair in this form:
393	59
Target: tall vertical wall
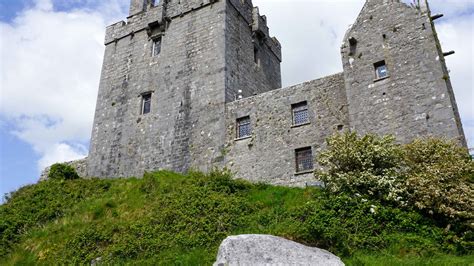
187	80
207	55
247	33
417	98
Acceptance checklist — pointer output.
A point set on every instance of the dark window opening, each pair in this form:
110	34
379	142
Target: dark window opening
146	103
243	127
256	57
156	48
352	46
304	159
381	70
300	113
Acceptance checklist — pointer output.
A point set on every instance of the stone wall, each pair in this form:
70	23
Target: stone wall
186	80
207	76
189	82
416	99
269	154
247	34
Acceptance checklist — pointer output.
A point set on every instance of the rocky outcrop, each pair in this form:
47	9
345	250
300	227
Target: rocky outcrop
271	250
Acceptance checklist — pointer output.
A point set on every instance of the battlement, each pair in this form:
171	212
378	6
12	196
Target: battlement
258	23
150	14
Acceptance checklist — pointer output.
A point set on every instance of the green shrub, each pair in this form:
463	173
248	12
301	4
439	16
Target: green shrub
440	179
368	165
62	171
434	176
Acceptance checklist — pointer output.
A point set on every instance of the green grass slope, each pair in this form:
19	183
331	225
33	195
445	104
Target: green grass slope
167	218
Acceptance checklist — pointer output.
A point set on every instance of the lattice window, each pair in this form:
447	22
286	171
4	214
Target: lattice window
156	48
381	70
146	103
300	113
304	159
244	128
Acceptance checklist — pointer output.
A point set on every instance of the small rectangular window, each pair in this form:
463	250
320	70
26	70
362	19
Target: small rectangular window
156	48
243	127
381	70
146	103
300	113
256	57
304	159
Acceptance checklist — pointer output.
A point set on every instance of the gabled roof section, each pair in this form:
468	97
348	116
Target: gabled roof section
418	6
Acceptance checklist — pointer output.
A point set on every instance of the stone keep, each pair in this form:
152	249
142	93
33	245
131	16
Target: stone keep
202	65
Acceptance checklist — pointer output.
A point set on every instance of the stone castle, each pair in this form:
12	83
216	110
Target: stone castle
196	84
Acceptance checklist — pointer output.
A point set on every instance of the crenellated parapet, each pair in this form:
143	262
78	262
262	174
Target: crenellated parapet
150	15
260	29
258	24
136	23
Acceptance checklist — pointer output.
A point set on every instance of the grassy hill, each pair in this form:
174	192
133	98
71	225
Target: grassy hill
167	218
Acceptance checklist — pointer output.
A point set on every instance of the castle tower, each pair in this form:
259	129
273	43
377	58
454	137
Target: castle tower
395	74
167	74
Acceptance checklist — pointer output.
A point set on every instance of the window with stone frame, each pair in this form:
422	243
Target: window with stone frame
244	128
146	103
156	47
381	70
304	159
300	113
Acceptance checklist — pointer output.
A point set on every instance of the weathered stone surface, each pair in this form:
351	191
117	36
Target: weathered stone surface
416	99
207	56
218	63
271	250
269	155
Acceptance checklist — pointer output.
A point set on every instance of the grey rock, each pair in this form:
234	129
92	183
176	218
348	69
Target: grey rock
271	250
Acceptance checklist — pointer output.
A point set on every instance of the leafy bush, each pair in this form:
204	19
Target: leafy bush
367	165
440	178
36	205
62	171
432	175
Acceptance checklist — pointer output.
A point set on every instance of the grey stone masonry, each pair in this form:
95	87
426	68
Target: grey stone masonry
178	75
269	153
415	99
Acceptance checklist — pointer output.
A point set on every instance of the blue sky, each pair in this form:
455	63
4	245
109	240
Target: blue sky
51	55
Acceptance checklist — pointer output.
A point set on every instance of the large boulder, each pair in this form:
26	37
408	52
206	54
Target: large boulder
271	250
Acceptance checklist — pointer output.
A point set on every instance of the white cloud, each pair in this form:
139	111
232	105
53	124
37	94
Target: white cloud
50	73
61	152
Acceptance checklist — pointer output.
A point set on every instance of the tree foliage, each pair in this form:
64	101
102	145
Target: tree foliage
439	178
62	171
434	176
